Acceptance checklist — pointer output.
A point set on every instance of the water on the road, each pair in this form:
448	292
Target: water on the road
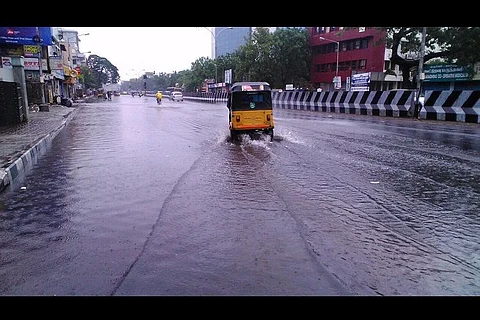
134	198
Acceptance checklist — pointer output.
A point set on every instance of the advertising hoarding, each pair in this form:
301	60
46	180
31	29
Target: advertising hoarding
24	35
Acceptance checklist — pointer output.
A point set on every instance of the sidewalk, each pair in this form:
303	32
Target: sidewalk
21	144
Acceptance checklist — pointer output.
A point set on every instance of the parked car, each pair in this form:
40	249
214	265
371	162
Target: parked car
176	96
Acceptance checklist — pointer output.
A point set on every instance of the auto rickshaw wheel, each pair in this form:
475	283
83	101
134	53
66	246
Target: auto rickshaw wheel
233	136
270	134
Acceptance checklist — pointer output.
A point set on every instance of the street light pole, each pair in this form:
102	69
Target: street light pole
420	74
338	51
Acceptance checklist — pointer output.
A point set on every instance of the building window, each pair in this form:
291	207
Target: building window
318	30
353	64
350	46
364	44
362	64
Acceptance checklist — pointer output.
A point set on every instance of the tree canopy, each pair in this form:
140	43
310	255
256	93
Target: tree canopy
101	71
457	45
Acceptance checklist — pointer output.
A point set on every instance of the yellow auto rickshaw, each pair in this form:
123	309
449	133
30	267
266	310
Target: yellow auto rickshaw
250	109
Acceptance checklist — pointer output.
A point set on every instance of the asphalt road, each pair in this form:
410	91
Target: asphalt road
135	198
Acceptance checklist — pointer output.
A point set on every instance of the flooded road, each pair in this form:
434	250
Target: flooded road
134	198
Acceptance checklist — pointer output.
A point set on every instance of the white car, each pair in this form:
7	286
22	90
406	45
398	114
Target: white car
176	96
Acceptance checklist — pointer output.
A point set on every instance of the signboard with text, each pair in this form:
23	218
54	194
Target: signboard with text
228	76
360	81
32	64
445	73
6	63
30	51
25	35
56	63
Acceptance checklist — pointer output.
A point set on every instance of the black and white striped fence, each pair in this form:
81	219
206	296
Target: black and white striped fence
210	97
383	103
461	106
395	103
456	105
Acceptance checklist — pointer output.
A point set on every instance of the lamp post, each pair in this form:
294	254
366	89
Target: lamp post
215	42
338	50
420	74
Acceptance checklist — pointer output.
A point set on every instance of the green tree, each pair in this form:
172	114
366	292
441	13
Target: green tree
254	57
103	71
161	80
203	68
291	56
87	78
457	45
281	57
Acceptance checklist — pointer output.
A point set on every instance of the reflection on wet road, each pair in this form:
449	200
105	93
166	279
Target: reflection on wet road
139	199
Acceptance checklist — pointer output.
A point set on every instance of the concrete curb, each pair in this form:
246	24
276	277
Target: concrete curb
28	159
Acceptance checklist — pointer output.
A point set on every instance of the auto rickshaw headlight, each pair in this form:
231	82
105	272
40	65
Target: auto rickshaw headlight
237	118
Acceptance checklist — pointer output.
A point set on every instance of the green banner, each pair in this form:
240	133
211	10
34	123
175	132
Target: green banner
445	73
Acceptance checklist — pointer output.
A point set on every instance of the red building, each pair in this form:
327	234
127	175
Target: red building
362	50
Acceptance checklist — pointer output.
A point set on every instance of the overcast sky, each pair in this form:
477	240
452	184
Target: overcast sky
134	50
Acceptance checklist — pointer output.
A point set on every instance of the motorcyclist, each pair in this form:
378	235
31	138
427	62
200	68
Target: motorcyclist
159	96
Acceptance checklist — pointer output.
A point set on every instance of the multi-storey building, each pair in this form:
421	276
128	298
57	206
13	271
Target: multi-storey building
228	39
339	53
43	61
72	59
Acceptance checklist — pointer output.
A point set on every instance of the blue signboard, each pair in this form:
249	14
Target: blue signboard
361	79
24	35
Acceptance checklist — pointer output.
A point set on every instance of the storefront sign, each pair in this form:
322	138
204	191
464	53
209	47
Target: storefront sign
58	74
445	73
6	63
66	71
56	63
30	51
32	64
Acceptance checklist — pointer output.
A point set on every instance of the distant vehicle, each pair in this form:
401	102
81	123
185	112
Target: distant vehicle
176	96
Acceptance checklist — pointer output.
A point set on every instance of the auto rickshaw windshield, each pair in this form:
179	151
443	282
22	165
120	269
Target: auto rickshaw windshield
249	100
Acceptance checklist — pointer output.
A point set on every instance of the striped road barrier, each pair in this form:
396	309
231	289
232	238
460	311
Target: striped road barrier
455	105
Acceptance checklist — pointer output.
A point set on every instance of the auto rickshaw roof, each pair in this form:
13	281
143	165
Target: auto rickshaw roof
250	86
